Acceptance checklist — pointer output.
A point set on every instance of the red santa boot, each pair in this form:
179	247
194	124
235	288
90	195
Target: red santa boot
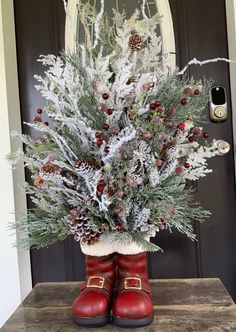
133	304
92	307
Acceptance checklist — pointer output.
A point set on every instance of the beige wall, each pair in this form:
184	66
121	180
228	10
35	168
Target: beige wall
231	28
15	275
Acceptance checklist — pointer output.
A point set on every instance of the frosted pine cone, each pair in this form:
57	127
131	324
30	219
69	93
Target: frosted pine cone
135	42
86	169
48	169
80	227
168	150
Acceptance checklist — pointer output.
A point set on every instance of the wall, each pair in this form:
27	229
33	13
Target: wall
15	274
231	28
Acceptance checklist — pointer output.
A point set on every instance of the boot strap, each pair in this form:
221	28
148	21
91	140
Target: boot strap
96	282
134	283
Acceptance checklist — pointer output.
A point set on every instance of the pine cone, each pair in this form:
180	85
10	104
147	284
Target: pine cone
132	79
168	149
135	42
110	191
48	169
91	163
38	181
80	227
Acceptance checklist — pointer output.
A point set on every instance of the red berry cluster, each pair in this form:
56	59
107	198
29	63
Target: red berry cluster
109	111
156	106
38	118
100	139
188	91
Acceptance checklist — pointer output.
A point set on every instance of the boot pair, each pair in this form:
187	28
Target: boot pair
117	283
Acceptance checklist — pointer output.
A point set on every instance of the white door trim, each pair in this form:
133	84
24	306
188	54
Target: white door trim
15	275
231	30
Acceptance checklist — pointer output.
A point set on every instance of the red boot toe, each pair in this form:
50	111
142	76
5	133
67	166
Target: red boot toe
90	304
92	307
133	303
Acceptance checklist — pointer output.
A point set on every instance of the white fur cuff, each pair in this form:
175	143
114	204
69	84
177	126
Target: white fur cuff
104	248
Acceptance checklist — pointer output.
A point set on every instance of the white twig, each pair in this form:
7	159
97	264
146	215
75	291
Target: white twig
83	55
65	5
197	62
143	6
97	24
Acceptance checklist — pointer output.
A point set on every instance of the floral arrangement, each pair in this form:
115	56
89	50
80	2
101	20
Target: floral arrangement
119	142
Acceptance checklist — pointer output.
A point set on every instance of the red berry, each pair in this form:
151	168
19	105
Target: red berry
184	101
179	170
186	165
152	106
106	126
99	142
104	138
98	135
107	149
105	95
46	123
181	126
118	227
100	187
39	111
171	111
197	92
197	131
191	138
109	111
205	135
160	110
163	221
37	119
157	103
187	91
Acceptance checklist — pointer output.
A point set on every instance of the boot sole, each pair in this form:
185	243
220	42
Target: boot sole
92	322
122	322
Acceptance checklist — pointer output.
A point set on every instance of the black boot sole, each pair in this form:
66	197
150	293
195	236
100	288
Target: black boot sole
92	322
126	323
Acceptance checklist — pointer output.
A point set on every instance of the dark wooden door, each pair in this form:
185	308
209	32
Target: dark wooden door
199	32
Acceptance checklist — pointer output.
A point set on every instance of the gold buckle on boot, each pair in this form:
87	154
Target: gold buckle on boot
95	281
127	286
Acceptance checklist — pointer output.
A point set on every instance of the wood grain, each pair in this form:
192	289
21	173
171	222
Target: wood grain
185	305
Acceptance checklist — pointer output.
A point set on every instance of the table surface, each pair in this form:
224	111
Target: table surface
185	305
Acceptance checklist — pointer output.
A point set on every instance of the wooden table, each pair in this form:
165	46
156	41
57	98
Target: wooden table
185	305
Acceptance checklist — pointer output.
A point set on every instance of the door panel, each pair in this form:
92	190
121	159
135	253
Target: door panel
199	32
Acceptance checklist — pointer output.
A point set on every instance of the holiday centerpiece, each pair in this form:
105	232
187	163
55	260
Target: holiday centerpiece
119	143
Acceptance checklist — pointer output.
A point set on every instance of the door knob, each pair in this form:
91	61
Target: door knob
223	147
